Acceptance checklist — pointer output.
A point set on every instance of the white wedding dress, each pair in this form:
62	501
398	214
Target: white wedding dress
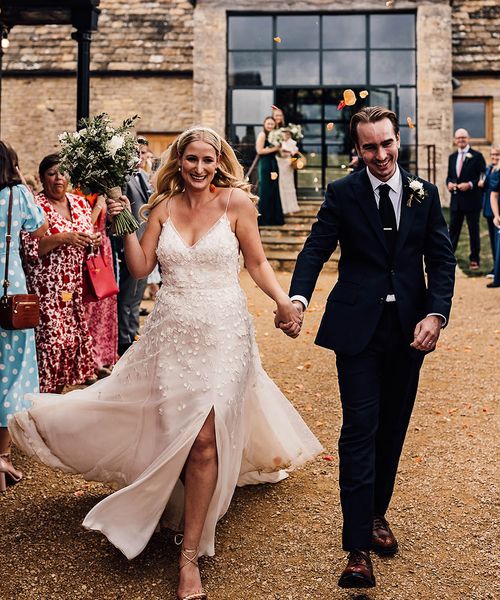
135	428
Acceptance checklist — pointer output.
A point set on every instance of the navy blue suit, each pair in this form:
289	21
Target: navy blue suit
377	369
466	204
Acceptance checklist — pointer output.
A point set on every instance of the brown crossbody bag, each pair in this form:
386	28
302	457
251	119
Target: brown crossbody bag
17	311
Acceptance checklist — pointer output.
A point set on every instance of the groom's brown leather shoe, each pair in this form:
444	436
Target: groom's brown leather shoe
359	571
384	541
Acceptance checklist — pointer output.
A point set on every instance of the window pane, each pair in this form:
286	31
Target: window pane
251	106
407	104
392	31
298	32
344	31
387	66
250	68
344	67
312	154
243	141
470	115
300	68
408	136
250	33
309	104
312	133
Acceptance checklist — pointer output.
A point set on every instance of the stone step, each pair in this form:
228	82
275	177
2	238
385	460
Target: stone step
284	260
301	217
288	229
283	243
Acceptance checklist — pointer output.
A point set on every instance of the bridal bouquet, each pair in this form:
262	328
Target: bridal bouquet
275	136
99	158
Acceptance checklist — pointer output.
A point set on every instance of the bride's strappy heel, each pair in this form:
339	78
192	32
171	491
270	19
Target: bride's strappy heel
191	556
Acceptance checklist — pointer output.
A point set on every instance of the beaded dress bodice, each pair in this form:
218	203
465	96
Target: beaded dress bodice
210	263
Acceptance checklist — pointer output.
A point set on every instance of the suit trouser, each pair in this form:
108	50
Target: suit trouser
377	391
456	221
129	303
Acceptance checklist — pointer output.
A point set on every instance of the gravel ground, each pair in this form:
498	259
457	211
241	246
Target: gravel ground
282	542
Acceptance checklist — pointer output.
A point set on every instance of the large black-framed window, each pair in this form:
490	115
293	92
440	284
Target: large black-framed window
316	57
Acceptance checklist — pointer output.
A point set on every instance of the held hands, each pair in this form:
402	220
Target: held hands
464	187
77	239
289	317
426	333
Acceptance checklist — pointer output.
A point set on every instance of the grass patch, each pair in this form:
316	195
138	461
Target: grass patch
463	249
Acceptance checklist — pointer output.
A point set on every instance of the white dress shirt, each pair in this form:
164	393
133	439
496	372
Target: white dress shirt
461	159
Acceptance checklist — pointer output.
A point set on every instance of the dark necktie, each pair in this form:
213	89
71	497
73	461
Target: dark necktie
387	217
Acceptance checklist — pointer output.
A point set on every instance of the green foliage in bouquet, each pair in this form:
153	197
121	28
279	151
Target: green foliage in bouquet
98	158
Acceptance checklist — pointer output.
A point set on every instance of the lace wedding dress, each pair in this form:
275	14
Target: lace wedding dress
135	428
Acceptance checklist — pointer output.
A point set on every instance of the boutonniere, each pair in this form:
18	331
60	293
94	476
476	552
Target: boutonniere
417	191
468	155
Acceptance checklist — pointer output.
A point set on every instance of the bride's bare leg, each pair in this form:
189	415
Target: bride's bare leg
200	478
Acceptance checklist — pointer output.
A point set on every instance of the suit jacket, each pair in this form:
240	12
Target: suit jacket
367	271
138	192
472	169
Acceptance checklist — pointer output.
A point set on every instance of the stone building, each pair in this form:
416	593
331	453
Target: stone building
223	63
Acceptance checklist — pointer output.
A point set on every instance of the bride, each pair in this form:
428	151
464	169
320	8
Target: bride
188	412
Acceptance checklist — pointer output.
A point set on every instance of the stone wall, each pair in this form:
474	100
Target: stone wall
476	35
153	35
36	110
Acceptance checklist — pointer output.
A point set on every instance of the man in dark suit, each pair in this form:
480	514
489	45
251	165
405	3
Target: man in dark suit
381	318
131	290
465	167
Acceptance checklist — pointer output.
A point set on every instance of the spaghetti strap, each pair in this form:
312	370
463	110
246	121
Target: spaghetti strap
228	200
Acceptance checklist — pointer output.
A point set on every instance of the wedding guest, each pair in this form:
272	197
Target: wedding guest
279	117
286	179
188	412
102	317
465	168
54	265
18	367
382	317
131	289
495	209
488	183
270	209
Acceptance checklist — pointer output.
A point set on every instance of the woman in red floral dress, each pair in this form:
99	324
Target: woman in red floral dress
102	317
54	272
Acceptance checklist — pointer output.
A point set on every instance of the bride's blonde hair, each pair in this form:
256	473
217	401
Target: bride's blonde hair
169	181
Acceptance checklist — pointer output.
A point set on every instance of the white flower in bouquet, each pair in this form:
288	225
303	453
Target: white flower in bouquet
275	137
296	131
99	158
115	143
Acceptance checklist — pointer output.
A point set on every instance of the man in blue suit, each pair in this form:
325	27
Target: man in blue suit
465	168
381	318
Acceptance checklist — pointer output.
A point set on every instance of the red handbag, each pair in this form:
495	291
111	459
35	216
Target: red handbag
99	280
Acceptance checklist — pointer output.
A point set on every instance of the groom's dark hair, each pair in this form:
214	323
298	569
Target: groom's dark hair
372	114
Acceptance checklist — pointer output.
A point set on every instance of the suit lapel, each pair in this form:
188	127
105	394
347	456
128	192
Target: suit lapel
366	198
407	212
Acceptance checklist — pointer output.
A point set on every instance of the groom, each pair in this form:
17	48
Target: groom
381	318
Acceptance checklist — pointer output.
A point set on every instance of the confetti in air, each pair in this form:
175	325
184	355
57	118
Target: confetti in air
341	105
277	39
330	126
389	3
363	94
411	125
349	97
274	175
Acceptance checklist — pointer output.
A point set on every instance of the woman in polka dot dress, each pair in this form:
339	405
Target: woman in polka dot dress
18	367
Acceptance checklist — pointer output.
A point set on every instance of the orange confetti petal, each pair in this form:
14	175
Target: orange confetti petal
341	105
274	175
300	164
363	94
330	126
410	123
349	97
277	40
389	3
328	457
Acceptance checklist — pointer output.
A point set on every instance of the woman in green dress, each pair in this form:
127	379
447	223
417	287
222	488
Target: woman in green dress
270	211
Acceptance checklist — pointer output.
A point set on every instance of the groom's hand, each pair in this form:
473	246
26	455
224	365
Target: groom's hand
426	333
